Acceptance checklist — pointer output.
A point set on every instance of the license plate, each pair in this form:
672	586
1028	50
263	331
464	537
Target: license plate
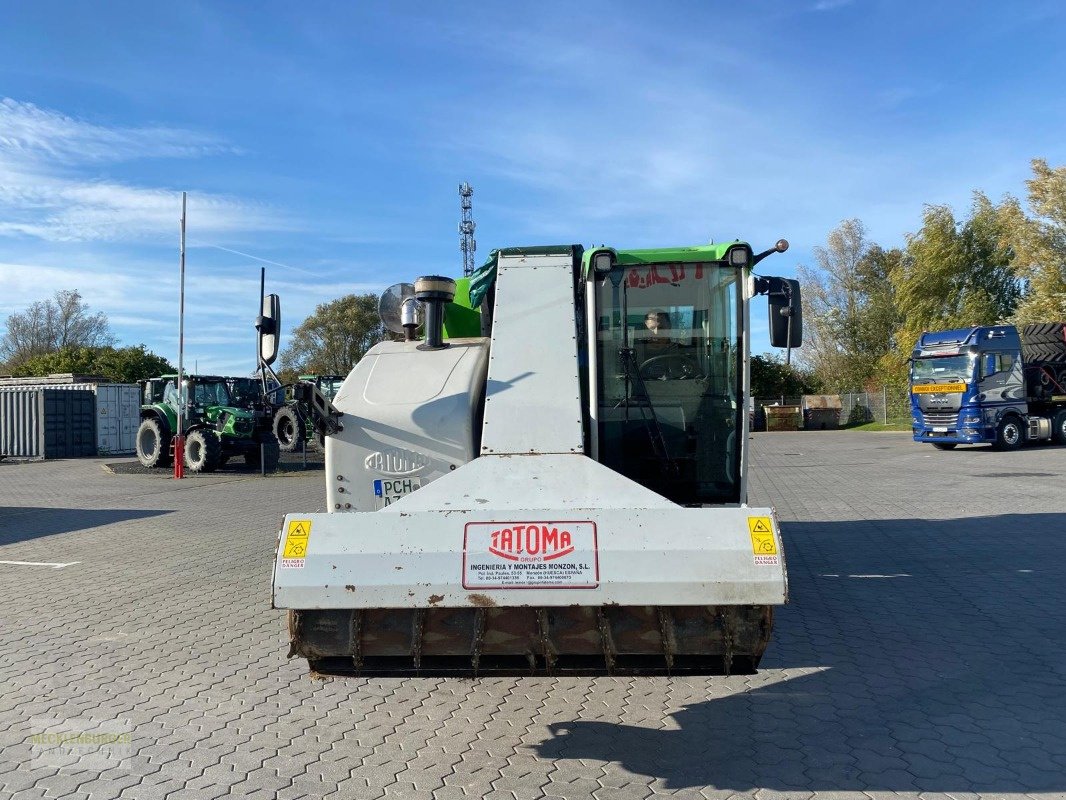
392	489
940	429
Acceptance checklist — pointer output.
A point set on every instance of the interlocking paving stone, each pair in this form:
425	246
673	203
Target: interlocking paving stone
923	654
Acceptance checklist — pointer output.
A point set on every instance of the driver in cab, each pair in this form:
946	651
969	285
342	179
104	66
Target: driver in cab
660	355
656	338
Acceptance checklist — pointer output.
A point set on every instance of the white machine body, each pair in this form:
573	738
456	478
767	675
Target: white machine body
445	506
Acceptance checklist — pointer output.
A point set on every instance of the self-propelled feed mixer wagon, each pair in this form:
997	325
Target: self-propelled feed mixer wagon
550	479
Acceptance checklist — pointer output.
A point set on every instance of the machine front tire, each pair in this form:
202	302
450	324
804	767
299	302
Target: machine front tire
153	444
1009	435
945	445
203	451
289	429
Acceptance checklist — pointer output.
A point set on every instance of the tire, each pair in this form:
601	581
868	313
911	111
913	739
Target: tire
153	444
1043	332
203	451
1058	428
289	429
1010	434
271	453
945	445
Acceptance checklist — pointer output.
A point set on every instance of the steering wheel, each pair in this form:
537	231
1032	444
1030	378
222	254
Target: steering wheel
670	367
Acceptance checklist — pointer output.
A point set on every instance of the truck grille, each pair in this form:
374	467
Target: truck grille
942	420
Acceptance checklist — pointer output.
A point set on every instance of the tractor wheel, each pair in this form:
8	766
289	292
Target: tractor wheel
271	453
289	429
153	444
1058	428
1009	434
203	450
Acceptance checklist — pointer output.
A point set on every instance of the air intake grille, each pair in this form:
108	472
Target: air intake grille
942	420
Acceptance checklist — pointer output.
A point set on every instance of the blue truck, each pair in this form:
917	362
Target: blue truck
990	384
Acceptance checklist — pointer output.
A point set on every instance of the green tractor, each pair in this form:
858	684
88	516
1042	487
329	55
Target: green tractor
293	421
216	428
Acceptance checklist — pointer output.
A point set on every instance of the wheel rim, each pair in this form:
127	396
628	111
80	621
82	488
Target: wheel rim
147	442
1011	433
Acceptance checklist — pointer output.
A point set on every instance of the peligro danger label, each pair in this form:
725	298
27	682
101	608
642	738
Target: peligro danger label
294	549
530	554
763	544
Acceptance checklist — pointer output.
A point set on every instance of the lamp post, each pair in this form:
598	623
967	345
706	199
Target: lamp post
179	437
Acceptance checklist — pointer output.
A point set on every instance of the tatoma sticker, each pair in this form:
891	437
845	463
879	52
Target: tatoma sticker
527	542
530	555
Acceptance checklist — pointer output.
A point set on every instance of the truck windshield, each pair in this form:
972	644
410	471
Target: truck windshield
939	368
668	383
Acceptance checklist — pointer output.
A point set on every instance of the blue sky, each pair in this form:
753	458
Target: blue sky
330	139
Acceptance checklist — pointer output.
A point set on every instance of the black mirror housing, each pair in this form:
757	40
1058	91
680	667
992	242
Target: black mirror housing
786	313
268	324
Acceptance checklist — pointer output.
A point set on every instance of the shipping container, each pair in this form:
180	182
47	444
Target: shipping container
47	422
118	413
118	407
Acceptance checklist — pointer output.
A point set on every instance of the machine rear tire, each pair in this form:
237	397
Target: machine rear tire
1058	428
289	429
1010	434
945	445
153	444
271	453
203	451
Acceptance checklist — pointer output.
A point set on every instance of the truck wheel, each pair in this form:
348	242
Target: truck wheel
1058	428
1009	434
945	445
153	444
289	429
271	453
203	451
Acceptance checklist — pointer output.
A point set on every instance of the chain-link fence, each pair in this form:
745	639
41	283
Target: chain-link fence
889	405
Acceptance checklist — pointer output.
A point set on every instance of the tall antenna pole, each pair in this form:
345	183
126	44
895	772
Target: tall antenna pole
466	228
179	438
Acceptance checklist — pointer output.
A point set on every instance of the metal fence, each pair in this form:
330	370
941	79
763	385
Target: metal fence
889	405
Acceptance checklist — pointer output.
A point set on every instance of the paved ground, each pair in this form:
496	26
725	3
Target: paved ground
924	653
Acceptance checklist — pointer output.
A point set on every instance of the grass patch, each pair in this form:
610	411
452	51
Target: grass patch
880	426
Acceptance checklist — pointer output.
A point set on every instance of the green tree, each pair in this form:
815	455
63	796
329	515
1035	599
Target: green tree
1039	244
849	308
123	365
334	338
955	274
51	325
771	377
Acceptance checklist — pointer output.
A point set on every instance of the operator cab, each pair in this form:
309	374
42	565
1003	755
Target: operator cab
669	354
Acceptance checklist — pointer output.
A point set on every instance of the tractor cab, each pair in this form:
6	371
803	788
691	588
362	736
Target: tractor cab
669	350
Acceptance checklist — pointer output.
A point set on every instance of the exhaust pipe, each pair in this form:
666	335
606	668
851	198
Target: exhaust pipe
434	291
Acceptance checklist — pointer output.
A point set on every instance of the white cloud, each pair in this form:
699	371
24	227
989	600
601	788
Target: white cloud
47	189
42	134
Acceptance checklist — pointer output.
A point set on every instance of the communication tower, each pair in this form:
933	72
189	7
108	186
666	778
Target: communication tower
467	242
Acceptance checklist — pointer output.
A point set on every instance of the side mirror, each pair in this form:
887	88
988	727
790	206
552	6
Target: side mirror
786	313
268	324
